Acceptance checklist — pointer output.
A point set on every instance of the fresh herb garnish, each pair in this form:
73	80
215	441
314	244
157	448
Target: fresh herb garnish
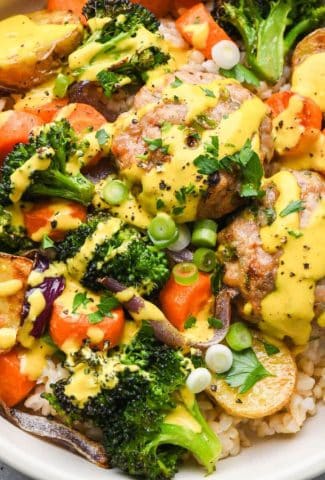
208	92
292	207
190	322
155	144
106	305
80	299
216	279
166	126
178	210
246	370
242	74
295	233
47	242
215	322
183	192
270	349
246	160
102	137
160	204
176	83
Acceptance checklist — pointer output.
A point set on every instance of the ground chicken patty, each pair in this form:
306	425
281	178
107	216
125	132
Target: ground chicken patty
251	269
129	146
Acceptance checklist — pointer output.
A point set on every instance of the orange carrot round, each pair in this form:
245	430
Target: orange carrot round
310	118
74	6
42	216
48	111
66	326
16	129
84	117
14	386
179	302
199	29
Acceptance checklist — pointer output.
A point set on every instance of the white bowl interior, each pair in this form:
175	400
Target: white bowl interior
297	457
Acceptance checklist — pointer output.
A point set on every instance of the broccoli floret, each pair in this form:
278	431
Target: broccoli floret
128	256
270	29
148	417
39	168
12	239
133	14
132	72
126	44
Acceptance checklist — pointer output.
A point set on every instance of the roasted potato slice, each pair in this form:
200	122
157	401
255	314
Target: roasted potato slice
34	46
14	272
308	62
311	44
268	395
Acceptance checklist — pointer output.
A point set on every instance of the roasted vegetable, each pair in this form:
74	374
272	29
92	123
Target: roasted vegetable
13	239
14	272
43	40
274	387
148	418
127	255
270	29
40	168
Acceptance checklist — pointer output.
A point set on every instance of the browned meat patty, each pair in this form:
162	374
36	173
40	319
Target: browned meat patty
153	111
248	267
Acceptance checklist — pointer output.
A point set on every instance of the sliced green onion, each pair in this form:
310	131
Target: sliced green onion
61	85
183	240
205	259
205	233
185	273
239	337
162	230
115	192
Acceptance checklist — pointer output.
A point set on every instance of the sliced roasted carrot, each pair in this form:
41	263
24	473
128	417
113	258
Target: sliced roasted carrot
74	6
70	327
14	386
53	218
179	302
83	117
200	29
159	7
15	127
310	117
48	111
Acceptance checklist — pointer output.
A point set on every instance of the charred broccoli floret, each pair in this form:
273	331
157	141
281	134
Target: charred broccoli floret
125	44
128	256
148	417
39	168
269	29
12	239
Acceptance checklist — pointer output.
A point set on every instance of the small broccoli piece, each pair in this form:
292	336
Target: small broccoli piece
148	417
130	14
133	72
39	168
128	256
12	239
270	29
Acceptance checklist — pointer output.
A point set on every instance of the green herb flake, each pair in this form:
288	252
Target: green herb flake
295	233
215	323
270	349
160	204
47	242
102	137
166	126
190	322
216	279
246	371
176	83
95	317
155	144
107	304
292	207
208	92
80	300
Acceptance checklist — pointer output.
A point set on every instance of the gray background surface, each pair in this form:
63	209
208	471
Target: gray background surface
7	473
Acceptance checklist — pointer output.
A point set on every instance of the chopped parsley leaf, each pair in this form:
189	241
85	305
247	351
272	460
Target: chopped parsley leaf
47	242
215	322
80	300
176	83
190	322
292	207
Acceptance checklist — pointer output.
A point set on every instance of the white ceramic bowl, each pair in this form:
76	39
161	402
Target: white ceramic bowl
297	457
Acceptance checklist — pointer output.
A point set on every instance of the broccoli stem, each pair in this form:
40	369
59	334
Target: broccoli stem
302	27
205	448
269	59
57	184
